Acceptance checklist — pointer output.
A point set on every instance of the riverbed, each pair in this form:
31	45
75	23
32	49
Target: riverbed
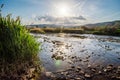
79	56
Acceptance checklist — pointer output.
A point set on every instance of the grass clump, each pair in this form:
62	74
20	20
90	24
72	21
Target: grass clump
16	44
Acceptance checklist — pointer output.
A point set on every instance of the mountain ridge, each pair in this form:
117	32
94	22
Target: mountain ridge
100	24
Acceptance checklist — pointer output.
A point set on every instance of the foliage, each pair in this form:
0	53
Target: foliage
16	44
104	30
56	30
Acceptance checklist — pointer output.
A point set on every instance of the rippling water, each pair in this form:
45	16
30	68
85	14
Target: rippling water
91	50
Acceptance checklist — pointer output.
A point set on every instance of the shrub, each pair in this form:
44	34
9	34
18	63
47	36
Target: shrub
37	30
16	44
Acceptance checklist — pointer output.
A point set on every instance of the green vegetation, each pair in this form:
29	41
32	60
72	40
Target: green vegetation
15	41
18	49
105	28
55	30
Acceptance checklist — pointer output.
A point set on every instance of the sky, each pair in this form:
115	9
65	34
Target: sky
66	12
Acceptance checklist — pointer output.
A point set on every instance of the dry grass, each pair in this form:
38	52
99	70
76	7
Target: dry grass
56	30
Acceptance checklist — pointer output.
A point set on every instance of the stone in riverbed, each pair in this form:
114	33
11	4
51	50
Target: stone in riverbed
93	69
78	78
59	57
99	72
89	66
118	77
118	69
81	72
48	74
105	70
79	68
53	56
87	75
109	67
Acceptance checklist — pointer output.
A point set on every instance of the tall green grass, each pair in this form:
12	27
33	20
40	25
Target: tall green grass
16	44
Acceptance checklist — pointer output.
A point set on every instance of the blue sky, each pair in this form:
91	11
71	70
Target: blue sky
69	12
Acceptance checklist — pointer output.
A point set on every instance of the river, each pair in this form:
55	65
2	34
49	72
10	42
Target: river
65	51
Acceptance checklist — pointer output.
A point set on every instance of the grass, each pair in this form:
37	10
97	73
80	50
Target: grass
15	41
18	49
55	30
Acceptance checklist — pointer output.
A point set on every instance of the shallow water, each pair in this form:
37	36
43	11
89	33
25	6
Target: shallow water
92	50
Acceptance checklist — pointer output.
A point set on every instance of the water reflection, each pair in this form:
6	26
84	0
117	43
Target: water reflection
68	51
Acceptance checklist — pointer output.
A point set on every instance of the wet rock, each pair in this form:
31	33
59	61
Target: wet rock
72	57
31	77
81	72
52	50
118	77
70	62
89	66
80	59
79	68
105	70
78	78
109	67
32	70
86	60
48	74
59	57
118	69
53	56
87	57
61	73
93	69
99	72
87	75
58	43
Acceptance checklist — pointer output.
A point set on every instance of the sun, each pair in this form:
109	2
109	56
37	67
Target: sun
63	10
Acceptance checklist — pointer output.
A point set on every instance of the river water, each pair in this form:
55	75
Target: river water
61	51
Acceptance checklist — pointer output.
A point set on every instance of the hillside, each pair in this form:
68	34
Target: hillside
110	24
102	24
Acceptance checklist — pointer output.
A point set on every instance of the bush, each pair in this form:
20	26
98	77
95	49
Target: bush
16	44
37	30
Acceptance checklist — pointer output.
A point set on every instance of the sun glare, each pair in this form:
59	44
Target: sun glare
63	10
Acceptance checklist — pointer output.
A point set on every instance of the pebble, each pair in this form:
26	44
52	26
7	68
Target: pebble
118	69
81	72
78	79
109	67
105	70
87	75
99	72
79	68
89	66
93	70
48	74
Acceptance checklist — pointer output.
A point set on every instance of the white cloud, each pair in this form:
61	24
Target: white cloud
59	20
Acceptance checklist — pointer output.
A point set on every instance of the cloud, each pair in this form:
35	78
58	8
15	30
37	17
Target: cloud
59	20
79	18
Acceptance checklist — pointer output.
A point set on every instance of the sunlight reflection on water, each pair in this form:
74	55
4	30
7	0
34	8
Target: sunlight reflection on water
92	50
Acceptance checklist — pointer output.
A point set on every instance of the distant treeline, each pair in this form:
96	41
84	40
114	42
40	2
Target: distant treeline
56	30
110	29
